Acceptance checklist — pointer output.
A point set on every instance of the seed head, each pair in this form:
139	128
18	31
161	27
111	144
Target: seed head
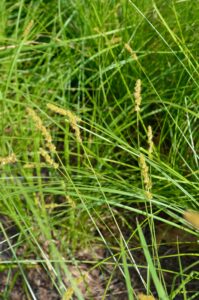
145	176
8	159
150	141
40	127
73	119
137	95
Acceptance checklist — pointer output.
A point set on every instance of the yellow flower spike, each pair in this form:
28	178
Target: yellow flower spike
40	127
130	50
137	95
150	141
145	176
48	159
8	159
73	119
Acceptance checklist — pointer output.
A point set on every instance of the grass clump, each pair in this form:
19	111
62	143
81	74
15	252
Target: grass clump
98	156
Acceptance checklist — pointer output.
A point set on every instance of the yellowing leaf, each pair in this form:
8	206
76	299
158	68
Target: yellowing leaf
70	291
68	294
192	217
141	296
